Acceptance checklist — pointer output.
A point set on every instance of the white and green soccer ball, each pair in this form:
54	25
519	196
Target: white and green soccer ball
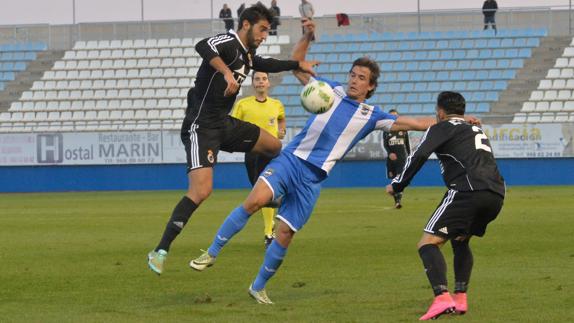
317	97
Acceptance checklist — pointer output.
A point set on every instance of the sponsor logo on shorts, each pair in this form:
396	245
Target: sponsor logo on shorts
443	230
179	224
210	157
268	172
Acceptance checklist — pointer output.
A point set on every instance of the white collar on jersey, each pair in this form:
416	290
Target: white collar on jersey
231	31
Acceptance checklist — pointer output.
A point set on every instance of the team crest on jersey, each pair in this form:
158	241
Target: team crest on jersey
210	156
268	172
364	109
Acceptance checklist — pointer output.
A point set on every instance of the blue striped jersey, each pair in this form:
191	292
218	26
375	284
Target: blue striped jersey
327	137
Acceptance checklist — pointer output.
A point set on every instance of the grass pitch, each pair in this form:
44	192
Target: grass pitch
81	257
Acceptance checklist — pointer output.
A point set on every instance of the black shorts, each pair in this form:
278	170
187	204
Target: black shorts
394	167
464	214
255	164
203	144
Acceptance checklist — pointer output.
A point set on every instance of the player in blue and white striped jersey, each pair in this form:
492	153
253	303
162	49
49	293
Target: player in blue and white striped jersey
297	173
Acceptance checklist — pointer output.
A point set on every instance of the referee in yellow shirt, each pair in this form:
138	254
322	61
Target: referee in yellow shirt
268	114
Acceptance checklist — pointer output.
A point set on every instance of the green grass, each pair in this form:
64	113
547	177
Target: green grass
81	257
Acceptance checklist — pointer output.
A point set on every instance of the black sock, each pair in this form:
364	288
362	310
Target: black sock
181	214
435	267
463	262
398	197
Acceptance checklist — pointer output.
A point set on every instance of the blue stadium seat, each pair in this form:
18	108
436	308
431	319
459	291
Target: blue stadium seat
429	76
498	53
525	53
490	63
429	45
386	67
468	75
473	86
481	43
345	58
494	43
484	74
398	98
414	109
320	57
399	66
389	77
433	86
442	44
507	42
516	63
390	46
450	65
407	87
446	86
417	76
477	96
416	45
395	56
459	54
20	66
486	85
341	78
408	56
404	46
503	63
472	54
342	47
433	55
443	75
322	68
379	46
512	53
412	98
533	42
467	44
383	56
412	66
394	87
500	85
366	47
428	108
403	77
477	64
491	96
420	87
459	86
420	55
520	42
456	75
332	58
446	54
425	66
464	65
326	38
9	76
386	98
426	97
455	44
328	48
482	107
438	66
508	74
485	53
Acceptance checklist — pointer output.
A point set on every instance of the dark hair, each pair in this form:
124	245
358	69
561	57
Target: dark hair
393	110
373	66
255	13
451	102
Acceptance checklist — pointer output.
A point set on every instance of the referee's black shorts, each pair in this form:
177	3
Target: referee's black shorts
464	214
202	144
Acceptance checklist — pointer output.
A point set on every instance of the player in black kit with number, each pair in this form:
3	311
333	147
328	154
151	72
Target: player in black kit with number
474	198
398	148
207	127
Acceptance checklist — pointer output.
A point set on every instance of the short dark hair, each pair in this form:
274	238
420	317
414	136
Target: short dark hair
373	66
451	102
255	13
253	74
393	110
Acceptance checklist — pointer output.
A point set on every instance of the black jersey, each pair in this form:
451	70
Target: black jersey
209	107
397	142
466	159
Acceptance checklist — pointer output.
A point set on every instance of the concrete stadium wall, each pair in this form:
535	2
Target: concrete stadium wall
557	171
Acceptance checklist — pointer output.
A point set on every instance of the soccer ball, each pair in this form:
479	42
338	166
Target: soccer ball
317	97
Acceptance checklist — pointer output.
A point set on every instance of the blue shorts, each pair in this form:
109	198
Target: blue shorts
298	183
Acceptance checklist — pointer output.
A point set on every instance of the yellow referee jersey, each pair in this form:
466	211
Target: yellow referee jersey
263	114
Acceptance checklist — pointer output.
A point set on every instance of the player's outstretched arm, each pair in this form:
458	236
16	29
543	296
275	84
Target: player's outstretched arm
300	50
408	123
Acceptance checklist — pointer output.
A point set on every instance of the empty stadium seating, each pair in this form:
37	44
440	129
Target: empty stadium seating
415	67
553	101
14	59
115	85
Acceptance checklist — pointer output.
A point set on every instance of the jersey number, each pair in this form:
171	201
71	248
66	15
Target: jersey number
478	139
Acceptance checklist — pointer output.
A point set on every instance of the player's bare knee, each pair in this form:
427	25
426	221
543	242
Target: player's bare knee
199	194
284	235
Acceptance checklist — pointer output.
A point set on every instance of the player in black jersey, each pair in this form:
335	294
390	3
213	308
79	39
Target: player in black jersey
207	127
474	198
398	148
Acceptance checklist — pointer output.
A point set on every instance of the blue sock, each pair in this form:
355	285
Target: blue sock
273	259
233	224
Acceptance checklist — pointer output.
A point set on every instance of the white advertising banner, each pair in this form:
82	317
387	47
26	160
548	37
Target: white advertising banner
155	147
